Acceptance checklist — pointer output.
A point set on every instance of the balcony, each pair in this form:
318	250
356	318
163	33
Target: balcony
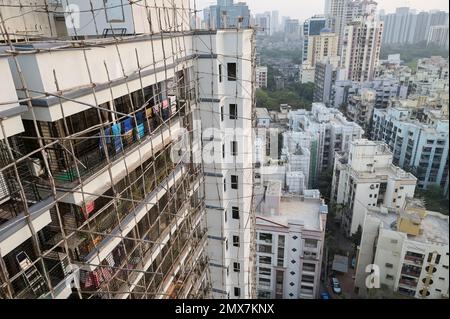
30	281
130	218
90	164
408	282
411	271
413	260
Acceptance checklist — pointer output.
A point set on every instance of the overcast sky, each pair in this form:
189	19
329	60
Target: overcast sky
303	9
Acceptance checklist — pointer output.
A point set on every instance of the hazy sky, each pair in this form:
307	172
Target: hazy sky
303	9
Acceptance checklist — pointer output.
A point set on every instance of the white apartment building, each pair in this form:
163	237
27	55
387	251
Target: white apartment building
323	131
410	246
261	77
290	234
361	46
418	138
366	177
226	109
438	35
111	151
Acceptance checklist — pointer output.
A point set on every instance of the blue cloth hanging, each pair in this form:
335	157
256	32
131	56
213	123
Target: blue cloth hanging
116	129
140	117
141	130
128	125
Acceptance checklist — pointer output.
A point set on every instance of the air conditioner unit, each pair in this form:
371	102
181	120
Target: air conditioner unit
36	167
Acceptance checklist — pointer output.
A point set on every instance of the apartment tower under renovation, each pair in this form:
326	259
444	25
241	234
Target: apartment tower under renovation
125	169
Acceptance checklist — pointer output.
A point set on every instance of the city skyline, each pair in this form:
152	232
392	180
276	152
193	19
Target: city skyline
290	8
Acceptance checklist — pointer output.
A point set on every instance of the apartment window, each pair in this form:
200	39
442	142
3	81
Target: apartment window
233	111
311	243
226	244
234	182
224	184
228	271
234	148
265	249
114	10
390	277
235	241
231	69
237	291
438	258
264	282
264	271
220	73
236	267
265	237
225	215
223	150
235	212
265	260
221	114
388	265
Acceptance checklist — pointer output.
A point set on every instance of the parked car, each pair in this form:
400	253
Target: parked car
335	285
325	295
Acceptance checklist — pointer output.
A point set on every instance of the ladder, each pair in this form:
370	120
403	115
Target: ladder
31	274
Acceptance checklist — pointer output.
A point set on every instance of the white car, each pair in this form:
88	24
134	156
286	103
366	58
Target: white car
336	286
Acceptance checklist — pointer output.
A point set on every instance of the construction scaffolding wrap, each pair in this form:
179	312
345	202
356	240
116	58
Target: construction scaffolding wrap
104	187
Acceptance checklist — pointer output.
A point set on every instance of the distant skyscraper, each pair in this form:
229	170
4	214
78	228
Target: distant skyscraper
342	12
407	26
227	14
311	27
361	48
275	27
438	35
292	29
263	23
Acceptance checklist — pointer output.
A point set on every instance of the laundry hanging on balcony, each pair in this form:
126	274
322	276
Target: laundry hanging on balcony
165	109
116	130
140	124
128	129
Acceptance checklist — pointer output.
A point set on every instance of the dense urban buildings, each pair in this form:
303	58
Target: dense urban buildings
406	26
418	136
103	174
227	14
410	248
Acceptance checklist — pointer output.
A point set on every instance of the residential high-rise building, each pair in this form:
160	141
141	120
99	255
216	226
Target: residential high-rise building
366	178
263	23
292	29
104	175
438	35
410	248
290	235
361	46
407	26
312	27
321	46
275	20
261	77
343	12
326	73
227	14
418	137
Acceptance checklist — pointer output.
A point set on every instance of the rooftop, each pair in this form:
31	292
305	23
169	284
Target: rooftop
300	209
434	226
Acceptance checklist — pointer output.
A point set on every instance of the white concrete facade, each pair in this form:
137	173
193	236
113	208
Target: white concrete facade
366	178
